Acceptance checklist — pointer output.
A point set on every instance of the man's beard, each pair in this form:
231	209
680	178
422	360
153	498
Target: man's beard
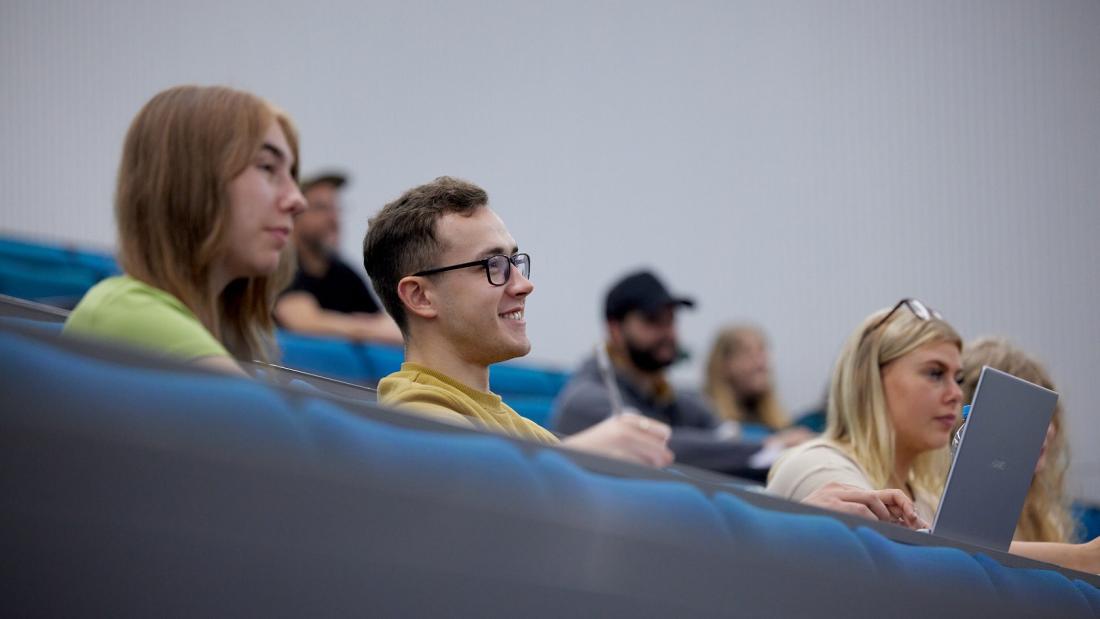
646	359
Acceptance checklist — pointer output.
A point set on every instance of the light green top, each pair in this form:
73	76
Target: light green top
129	311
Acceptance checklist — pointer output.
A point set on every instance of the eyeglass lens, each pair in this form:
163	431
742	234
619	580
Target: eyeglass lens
922	311
919	309
500	268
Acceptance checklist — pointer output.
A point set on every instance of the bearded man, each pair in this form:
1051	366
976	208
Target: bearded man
641	344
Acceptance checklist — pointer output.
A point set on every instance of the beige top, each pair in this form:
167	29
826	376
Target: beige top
803	469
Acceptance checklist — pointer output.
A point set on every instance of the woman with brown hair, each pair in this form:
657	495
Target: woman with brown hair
205	202
1046	514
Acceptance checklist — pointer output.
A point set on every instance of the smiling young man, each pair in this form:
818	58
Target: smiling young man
452	277
450	274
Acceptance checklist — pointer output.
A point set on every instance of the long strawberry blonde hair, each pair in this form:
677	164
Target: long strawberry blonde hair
172	208
1046	515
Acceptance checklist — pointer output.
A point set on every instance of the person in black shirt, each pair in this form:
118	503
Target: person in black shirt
327	297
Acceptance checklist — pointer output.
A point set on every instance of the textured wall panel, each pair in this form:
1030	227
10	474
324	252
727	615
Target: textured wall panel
795	163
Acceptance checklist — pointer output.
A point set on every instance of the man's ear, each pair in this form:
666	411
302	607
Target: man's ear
417	296
615	333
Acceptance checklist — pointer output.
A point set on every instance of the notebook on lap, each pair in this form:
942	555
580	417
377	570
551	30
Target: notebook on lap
993	466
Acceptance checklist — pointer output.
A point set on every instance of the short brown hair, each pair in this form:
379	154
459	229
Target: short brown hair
401	238
172	206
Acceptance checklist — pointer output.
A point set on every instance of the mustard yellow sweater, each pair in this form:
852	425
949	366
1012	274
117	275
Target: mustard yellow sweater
439	396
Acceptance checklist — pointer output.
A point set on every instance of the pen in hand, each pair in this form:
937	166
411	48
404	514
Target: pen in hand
607	373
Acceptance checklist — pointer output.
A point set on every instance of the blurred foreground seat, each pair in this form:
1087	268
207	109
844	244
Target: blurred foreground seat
134	486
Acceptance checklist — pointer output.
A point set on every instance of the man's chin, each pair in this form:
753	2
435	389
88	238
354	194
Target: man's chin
522	349
506	353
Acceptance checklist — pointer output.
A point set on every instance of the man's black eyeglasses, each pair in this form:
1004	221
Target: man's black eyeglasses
498	268
920	310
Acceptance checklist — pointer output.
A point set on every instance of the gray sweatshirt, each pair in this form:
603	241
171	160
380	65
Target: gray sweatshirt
585	402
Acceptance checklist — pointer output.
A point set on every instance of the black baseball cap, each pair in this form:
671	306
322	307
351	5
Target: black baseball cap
640	291
327	177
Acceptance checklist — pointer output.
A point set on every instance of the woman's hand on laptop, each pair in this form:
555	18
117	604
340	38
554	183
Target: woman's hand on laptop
889	505
629	436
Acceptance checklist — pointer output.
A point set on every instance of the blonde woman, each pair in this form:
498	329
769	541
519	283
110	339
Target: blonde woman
1046	515
205	202
893	402
739	384
739	379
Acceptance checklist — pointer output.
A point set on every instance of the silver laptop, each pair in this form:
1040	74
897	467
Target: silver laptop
995	461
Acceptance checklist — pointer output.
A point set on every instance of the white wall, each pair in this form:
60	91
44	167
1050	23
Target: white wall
799	164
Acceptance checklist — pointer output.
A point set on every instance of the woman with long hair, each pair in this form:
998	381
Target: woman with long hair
740	387
1046	514
739	379
894	399
206	196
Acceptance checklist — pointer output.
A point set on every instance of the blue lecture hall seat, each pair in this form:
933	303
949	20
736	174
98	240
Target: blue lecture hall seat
48	273
60	275
528	389
144	487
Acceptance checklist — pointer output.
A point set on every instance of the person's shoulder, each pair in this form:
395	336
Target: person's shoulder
581	393
397	384
412	389
694	402
342	271
128	310
337	264
348	290
299	283
806	467
412	375
122	298
585	376
582	402
410	385
816	451
125	288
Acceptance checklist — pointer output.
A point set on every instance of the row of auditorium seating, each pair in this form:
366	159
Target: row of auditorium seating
529	390
137	486
59	275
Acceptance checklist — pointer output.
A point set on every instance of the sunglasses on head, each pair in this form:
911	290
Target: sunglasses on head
919	309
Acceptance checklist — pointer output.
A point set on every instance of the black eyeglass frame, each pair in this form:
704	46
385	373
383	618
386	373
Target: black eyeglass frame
484	263
919	309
